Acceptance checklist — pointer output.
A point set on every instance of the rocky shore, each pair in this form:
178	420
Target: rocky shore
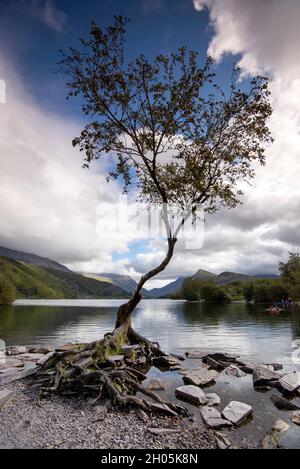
69	423
57	422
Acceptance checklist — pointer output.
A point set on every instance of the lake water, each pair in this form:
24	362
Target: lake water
245	330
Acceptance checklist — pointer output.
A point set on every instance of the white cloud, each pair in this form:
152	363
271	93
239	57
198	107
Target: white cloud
44	11
255	236
49	205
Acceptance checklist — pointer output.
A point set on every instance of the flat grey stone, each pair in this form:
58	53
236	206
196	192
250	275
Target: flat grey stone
7	371
44	349
23	373
201	377
163	409
237	412
213	399
262	376
214	364
283	404
45	358
222	357
16	350
296	417
10	362
213	419
222	440
280	426
163	431
234	370
197	354
30	357
166	361
192	394
276	366
156	385
290	382
5	395
248	366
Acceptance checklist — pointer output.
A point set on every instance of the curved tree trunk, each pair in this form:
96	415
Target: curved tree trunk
125	311
93	369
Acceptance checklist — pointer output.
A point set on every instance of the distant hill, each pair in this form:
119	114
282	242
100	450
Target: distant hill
167	290
204	275
221	279
229	277
125	282
32	259
31	281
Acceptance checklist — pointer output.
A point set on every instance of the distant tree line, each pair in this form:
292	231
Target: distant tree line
257	290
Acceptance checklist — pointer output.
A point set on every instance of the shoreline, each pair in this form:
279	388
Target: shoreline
63	423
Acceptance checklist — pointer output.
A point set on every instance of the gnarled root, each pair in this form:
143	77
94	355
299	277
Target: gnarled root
97	370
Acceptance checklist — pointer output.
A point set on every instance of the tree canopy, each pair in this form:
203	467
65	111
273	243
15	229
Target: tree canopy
173	132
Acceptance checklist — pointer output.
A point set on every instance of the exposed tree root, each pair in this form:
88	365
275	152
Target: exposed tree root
112	368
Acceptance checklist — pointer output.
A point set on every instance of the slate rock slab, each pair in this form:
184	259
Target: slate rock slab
213	399
237	412
16	350
156	384
192	394
19	374
197	354
5	395
163	431
214	364
283	404
45	358
248	366
234	370
201	377
290	382
280	426
163	409
30	357
10	362
213	419
166	361
262	376
296	417
223	441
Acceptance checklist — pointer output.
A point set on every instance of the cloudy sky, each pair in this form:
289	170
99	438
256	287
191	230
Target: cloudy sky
52	207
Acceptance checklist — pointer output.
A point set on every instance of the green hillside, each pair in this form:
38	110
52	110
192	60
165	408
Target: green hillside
31	281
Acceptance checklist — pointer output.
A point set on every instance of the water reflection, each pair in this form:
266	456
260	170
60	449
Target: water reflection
246	330
177	325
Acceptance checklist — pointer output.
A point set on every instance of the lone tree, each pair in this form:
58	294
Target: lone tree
178	138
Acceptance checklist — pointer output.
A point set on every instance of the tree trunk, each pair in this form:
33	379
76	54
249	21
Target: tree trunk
125	311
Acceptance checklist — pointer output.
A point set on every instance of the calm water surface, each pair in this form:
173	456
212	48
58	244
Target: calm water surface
246	330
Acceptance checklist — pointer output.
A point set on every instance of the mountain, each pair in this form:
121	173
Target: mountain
32	281
167	289
32	259
229	277
221	279
204	275
125	282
